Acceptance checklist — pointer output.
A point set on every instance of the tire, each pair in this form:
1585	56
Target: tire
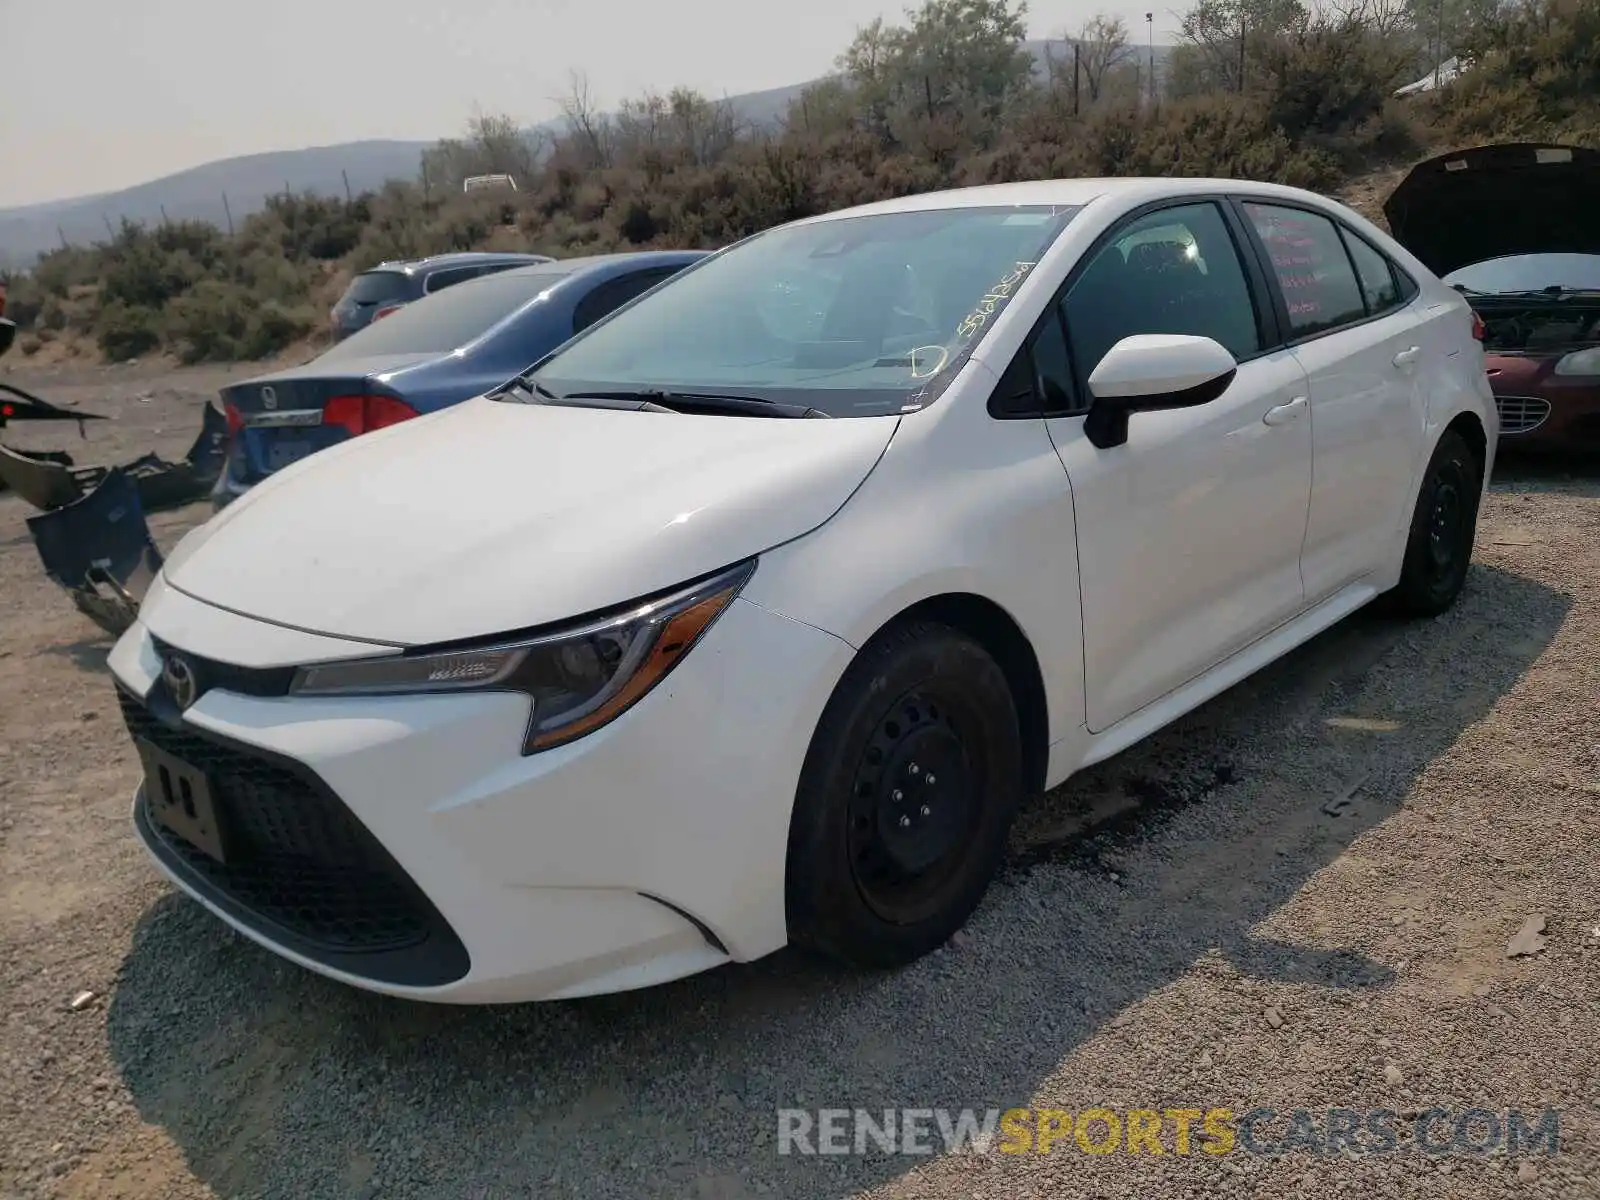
1443	527
875	877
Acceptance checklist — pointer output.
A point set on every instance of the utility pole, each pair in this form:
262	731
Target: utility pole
1076	56
345	175
1243	26
1150	44
228	213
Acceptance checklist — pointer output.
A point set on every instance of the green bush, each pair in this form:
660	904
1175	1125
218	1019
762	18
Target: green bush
126	331
222	321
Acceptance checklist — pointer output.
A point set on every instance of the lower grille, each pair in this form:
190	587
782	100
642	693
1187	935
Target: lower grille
301	870
1521	414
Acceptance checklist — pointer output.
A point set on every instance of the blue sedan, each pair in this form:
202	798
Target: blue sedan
438	351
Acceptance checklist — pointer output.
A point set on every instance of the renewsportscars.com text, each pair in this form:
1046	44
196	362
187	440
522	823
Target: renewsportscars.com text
1213	1131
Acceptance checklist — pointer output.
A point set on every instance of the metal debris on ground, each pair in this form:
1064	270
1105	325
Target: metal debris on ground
1337	806
1529	940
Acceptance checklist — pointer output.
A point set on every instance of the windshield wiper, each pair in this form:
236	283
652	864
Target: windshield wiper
1555	291
659	399
539	394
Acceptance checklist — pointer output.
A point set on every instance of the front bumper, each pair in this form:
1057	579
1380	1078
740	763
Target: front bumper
652	849
1540	411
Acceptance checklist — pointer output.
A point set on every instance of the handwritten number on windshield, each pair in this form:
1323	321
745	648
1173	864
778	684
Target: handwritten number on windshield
928	361
993	300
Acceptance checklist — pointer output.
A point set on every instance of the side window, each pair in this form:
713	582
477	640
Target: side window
1407	285
611	295
1053	369
496	268
440	280
1378	287
1175	270
1039	380
1319	286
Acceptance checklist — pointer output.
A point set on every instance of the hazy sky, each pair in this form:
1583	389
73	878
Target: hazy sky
103	94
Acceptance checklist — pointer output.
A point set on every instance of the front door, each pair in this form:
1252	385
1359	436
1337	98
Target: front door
1189	534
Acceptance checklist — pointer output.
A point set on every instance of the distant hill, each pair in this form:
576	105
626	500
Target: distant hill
197	194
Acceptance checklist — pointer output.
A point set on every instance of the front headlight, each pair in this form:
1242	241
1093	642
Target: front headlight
578	679
1580	362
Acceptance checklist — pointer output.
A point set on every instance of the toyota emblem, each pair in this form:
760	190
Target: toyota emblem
269	398
178	675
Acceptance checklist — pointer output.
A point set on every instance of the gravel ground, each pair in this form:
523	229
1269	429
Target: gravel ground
1212	920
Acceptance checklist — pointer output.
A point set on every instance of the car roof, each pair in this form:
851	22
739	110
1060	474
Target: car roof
456	258
1074	192
589	262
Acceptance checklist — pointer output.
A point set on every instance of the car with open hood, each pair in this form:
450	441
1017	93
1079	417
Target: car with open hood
750	615
1513	227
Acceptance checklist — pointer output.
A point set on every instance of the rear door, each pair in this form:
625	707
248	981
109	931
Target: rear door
1343	308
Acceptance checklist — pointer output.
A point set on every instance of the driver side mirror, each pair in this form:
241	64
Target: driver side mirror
1151	371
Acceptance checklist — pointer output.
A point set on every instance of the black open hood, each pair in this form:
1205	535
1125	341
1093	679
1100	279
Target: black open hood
1515	198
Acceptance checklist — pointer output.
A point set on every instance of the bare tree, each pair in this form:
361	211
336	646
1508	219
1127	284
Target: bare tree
1386	18
1103	47
682	124
589	129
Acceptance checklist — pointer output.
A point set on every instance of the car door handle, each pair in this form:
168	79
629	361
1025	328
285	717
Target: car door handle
1408	356
1282	414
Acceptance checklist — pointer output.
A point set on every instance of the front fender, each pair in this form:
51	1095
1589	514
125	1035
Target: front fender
950	509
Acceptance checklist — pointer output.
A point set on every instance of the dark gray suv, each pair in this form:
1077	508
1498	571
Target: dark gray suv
388	286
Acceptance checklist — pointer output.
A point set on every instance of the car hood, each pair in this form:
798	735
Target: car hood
1515	198
491	517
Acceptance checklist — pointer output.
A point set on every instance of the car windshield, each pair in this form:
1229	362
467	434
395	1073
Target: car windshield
446	320
1530	273
855	317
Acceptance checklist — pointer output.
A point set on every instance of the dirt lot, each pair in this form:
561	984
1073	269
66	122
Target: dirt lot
1227	935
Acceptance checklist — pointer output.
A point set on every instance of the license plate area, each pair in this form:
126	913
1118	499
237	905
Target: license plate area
283	453
181	799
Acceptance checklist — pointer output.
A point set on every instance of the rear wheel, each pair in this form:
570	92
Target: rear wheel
1443	525
905	800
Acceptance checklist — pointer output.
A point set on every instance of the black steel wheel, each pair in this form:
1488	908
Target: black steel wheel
1443	528
908	791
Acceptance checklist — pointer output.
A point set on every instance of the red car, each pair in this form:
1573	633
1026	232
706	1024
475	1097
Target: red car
8	329
1516	229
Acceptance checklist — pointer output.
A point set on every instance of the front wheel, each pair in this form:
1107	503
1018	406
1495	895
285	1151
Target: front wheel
905	800
1443	525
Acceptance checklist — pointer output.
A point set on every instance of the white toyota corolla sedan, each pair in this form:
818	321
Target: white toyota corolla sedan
749	616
